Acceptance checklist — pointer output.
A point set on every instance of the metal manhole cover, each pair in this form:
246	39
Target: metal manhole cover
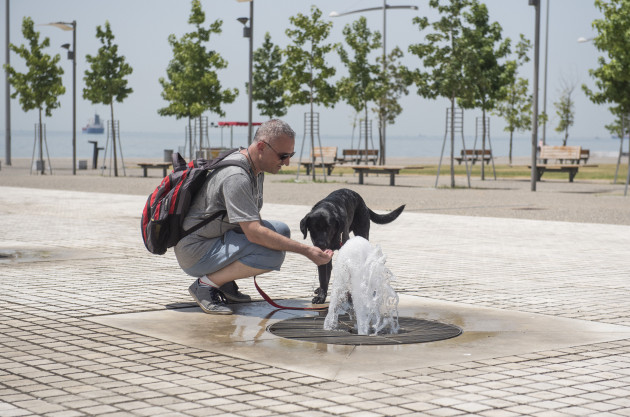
311	329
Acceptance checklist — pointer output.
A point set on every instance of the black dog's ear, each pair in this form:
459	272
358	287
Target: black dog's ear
303	228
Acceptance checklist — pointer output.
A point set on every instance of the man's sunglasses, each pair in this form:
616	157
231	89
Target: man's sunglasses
282	156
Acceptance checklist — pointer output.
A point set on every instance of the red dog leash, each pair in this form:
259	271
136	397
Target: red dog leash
274	304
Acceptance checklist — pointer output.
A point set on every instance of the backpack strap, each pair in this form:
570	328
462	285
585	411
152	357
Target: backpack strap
214	165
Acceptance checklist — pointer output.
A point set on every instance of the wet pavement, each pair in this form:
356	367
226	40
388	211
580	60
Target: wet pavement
92	324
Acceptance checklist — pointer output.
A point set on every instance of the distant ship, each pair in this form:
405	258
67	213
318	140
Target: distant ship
94	126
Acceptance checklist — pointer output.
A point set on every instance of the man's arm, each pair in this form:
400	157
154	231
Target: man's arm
259	234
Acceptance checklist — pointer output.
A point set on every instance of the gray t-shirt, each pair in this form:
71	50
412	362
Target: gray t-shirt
230	189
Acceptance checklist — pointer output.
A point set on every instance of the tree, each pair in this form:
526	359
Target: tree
267	72
105	80
444	57
360	86
485	73
516	109
305	74
620	128
391	84
612	78
565	111
193	85
516	105
39	87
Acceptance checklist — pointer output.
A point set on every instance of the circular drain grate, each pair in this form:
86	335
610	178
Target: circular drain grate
311	329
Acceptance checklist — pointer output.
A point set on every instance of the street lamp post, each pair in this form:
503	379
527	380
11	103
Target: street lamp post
384	8
534	174
7	137
72	54
248	32
544	126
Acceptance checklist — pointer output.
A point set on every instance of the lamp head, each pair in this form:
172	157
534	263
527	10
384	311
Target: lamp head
333	14
243	20
66	46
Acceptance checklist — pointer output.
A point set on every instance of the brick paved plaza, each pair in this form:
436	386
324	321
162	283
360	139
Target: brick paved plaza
92	324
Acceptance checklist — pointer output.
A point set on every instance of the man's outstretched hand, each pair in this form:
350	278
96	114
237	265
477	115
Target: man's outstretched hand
318	256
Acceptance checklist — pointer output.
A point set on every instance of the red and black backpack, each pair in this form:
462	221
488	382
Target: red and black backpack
165	210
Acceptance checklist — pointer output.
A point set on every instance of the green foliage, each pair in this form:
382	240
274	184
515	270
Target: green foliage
193	85
444	55
390	86
485	74
516	107
267	72
105	80
39	87
305	74
612	78
565	111
359	86
621	126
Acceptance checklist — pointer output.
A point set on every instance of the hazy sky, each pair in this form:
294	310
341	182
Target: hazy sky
141	28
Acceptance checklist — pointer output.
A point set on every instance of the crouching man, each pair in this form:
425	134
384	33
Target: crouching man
239	244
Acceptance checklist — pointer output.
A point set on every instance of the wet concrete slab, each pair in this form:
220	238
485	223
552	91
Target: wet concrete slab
487	333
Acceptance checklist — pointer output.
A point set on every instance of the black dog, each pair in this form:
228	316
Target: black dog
330	222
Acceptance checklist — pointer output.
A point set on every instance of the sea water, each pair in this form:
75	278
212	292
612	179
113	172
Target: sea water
360	272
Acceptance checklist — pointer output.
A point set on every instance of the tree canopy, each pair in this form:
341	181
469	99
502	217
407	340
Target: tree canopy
444	57
105	80
305	75
40	86
266	74
612	77
192	85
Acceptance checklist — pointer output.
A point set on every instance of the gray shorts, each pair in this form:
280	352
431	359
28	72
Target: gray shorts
234	246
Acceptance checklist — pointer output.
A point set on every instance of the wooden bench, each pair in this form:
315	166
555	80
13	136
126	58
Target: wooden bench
566	159
146	166
381	169
474	155
329	156
358	155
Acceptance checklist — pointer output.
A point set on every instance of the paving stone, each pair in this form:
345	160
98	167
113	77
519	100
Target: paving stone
54	361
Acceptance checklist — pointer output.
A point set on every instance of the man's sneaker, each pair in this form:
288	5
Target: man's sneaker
209	299
231	292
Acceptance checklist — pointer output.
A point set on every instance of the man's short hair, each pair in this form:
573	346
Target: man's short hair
272	129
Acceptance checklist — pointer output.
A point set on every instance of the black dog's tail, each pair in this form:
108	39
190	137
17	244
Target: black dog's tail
386	218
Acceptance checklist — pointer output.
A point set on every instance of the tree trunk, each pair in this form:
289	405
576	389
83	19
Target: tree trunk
189	139
366	134
312	139
41	143
483	142
510	154
111	107
452	141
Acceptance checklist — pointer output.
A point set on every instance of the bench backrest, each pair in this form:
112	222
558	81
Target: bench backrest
478	152
355	152
560	152
327	152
